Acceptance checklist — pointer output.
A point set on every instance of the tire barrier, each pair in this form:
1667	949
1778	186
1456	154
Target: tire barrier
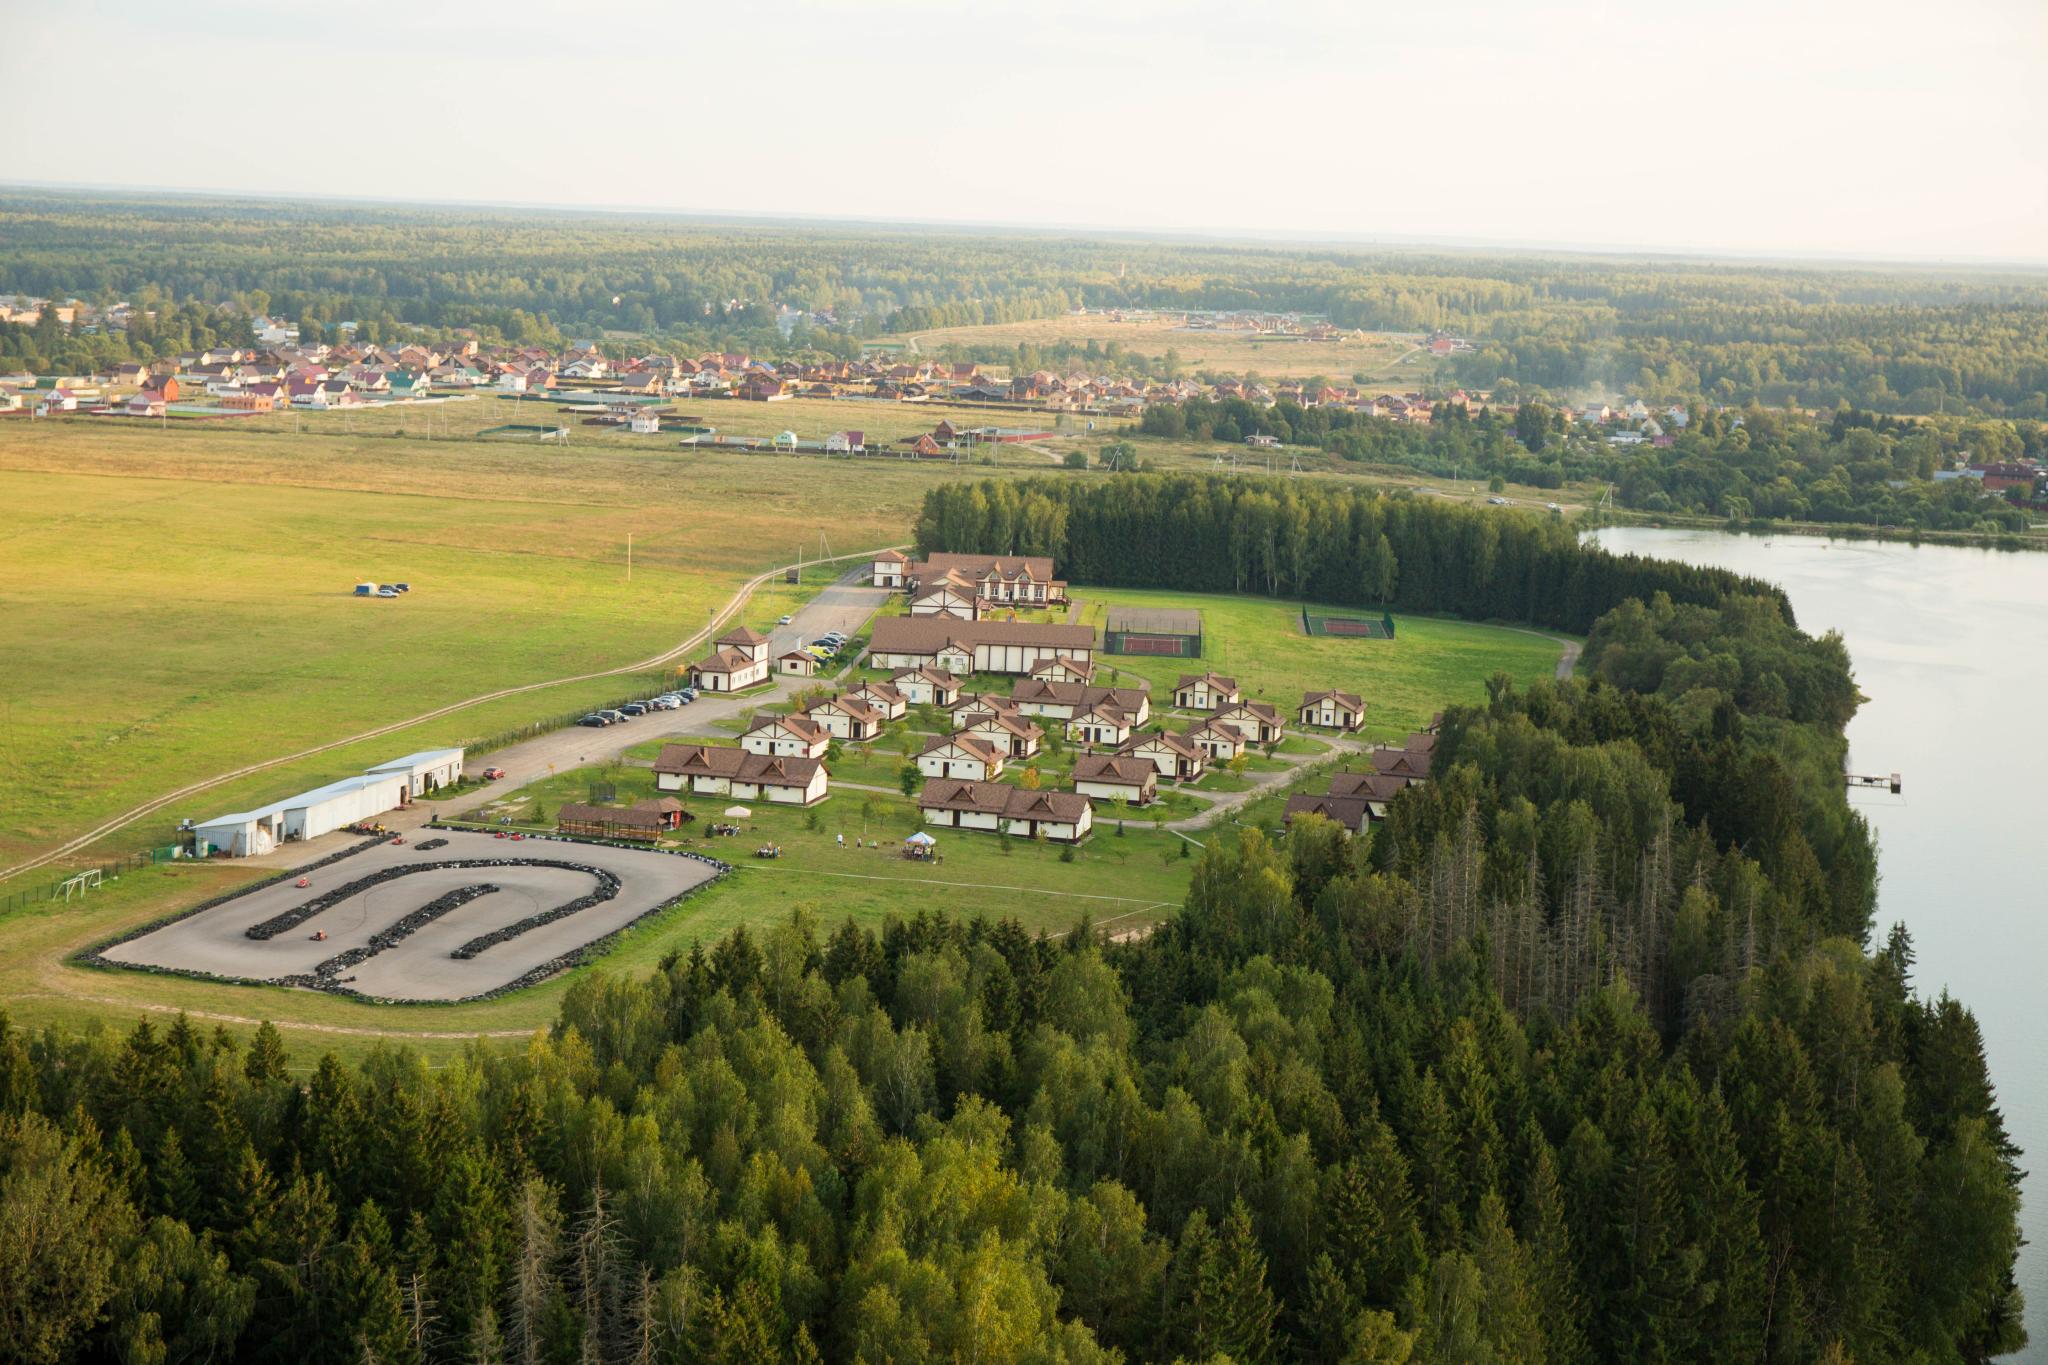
607	887
291	919
575	957
404	928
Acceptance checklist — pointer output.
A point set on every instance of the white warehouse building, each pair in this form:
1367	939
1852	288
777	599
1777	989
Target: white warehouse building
326	809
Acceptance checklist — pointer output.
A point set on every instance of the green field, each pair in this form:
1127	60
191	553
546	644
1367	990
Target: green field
178	602
1429	664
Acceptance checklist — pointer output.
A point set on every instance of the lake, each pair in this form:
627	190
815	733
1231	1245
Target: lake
1949	646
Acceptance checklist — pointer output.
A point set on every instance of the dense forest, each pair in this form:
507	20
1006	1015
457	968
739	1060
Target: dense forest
1580	1058
1891	340
1751	467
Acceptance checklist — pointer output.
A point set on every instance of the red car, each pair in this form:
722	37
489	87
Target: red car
493	774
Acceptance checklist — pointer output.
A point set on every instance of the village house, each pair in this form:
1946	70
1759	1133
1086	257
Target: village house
1332	710
1349	811
1065	700
1011	733
884	697
961	756
741	661
966	647
1007	580
1064	670
1204	692
798	663
946	599
889	568
846	717
719	770
1059	817
926	686
782	736
1103	725
1173	755
1259	721
1411	761
1218	740
849	443
1113	777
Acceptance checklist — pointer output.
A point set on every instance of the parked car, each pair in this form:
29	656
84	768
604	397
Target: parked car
614	717
784	619
387	592
688	694
594	720
403	587
633	708
834	637
1498	501
493	774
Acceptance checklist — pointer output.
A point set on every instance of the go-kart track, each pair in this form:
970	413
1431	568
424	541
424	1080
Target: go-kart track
454	916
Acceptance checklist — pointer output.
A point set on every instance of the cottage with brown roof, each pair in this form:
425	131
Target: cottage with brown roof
1064	670
1401	763
1175	756
1332	710
1261	722
961	756
1112	777
1351	812
887	570
945	599
1065	700
1015	736
847	717
926	686
718	770
1061	817
1104	725
1218	740
797	663
741	661
786	736
884	697
1204	692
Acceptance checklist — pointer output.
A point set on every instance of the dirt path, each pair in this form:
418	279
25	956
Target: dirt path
733	605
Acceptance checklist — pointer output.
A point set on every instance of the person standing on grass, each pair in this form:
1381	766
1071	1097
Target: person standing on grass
842	843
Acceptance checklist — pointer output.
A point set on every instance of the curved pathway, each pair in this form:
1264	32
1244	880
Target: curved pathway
733	605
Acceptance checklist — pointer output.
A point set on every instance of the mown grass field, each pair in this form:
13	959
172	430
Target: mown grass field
1430	662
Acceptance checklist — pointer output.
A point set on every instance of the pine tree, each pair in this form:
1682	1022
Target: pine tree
175	1189
1235	1311
1552	1275
267	1061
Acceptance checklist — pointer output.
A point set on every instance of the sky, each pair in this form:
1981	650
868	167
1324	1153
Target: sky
1787	127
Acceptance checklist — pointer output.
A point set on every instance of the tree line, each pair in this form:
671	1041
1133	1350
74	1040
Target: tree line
1890	341
1334	545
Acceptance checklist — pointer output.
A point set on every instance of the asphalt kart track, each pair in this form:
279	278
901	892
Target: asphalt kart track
458	921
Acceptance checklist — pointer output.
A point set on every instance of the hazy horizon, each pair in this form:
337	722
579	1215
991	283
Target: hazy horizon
1738	129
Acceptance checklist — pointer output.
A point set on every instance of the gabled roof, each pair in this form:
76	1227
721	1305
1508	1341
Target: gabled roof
719	760
999	798
1346	700
1376	787
1121	769
1165	739
975	745
1348	811
744	636
797	723
1215	681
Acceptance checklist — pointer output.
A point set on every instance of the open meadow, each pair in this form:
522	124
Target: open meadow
1391	358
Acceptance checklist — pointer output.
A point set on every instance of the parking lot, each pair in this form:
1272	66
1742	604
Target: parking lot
508	907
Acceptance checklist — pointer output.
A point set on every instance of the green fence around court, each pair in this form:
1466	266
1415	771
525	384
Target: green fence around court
1360	627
